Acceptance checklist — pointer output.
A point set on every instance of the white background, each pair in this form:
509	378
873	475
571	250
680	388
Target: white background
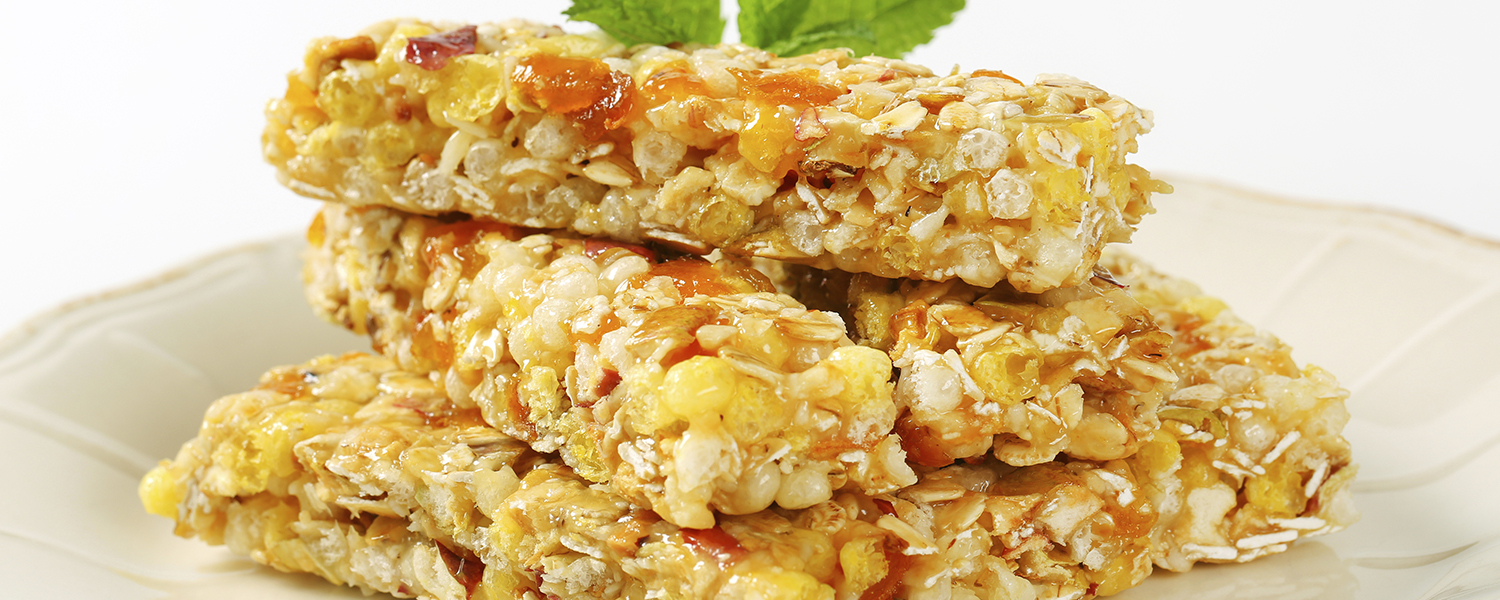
130	136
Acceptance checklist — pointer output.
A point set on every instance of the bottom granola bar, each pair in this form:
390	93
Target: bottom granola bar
1250	456
368	476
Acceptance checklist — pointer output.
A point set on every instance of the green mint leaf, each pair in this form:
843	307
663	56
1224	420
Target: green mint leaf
844	34
764	22
883	27
901	25
653	22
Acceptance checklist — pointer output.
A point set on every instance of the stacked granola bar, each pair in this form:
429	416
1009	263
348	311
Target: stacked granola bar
709	322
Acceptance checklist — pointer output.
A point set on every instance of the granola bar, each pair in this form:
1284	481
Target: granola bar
1250	456
689	386
860	164
1078	370
371	477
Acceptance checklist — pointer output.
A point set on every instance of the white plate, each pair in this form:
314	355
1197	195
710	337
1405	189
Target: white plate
1406	313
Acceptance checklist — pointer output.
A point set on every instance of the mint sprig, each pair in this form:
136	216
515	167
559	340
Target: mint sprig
653	21
884	27
785	27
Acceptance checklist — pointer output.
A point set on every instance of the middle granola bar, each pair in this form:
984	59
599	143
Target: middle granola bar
692	386
689	386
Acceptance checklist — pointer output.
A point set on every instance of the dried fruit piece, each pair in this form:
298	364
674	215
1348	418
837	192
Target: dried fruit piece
432	52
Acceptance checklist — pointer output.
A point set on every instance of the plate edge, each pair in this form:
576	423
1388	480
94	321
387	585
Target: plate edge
22	334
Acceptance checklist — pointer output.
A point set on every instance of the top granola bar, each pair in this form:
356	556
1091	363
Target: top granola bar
860	164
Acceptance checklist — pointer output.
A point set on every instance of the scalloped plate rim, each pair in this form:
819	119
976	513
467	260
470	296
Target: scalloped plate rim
13	341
